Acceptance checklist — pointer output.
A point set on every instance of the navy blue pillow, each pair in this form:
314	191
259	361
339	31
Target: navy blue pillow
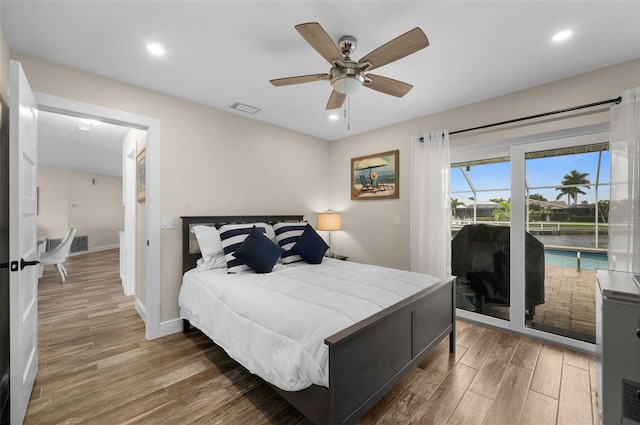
258	251
310	246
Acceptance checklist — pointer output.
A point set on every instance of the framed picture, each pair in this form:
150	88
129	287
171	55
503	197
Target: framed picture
141	175
375	176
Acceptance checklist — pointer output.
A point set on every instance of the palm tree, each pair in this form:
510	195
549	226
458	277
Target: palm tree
502	214
573	179
454	203
603	209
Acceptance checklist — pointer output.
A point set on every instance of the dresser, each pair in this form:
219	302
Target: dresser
618	347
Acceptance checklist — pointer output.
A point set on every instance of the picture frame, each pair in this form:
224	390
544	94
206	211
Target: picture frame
376	176
141	175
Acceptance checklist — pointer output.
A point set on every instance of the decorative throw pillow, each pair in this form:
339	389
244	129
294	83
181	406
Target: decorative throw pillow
258	252
287	234
310	246
231	237
210	248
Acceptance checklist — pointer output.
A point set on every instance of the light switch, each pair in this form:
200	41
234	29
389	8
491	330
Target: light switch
396	219
166	223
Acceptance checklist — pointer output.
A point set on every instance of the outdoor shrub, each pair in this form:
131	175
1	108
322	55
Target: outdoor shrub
557	216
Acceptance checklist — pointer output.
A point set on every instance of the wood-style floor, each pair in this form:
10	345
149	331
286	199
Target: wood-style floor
95	366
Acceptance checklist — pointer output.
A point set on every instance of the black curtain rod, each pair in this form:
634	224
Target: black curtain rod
617	100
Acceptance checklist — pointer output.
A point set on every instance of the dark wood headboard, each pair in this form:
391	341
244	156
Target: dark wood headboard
190	249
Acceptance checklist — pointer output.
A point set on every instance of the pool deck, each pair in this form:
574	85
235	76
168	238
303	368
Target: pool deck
570	300
569	307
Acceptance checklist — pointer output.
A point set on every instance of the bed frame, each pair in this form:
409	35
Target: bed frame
367	359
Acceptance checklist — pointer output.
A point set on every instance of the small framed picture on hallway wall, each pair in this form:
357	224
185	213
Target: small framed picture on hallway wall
141	175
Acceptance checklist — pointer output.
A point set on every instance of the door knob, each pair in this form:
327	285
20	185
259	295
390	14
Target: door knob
24	264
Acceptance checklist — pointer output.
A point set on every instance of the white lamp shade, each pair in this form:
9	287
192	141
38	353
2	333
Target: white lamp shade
329	221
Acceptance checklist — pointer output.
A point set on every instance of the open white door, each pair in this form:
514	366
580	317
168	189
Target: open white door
23	281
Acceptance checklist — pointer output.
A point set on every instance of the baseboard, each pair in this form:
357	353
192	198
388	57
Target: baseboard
125	287
96	249
141	309
170	327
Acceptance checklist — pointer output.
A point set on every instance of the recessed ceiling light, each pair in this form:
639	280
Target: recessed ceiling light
333	117
562	36
155	49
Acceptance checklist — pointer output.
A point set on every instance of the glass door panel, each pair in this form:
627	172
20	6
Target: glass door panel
480	210
566	207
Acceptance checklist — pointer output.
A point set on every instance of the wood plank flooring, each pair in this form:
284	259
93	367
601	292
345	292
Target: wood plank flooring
96	367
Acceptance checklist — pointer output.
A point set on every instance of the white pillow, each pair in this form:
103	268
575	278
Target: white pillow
210	248
287	234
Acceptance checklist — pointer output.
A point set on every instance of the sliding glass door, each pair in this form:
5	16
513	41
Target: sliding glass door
530	222
566	213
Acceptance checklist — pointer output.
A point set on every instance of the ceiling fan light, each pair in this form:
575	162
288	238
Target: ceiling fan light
347	84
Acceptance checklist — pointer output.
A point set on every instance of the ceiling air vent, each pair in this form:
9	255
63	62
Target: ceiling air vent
248	109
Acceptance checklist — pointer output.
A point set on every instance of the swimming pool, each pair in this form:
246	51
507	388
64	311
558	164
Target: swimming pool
588	260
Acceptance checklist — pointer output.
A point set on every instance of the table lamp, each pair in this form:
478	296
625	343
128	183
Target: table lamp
329	222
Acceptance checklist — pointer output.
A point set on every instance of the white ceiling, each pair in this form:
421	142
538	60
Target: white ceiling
222	52
81	145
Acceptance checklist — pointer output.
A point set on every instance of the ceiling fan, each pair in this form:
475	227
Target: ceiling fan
346	75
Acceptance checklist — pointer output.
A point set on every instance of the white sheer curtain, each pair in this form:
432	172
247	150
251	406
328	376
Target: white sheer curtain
430	204
624	207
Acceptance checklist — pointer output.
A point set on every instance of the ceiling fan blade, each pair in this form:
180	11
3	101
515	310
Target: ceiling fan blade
387	85
278	82
318	38
335	100
404	45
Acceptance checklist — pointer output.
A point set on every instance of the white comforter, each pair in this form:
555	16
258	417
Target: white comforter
275	324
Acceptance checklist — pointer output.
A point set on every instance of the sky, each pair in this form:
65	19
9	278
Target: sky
539	173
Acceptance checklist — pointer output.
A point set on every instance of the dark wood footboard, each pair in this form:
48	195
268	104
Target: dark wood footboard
369	358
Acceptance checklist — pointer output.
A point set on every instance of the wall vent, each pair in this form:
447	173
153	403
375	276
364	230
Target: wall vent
631	400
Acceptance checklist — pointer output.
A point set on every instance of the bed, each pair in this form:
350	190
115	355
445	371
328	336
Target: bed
366	359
